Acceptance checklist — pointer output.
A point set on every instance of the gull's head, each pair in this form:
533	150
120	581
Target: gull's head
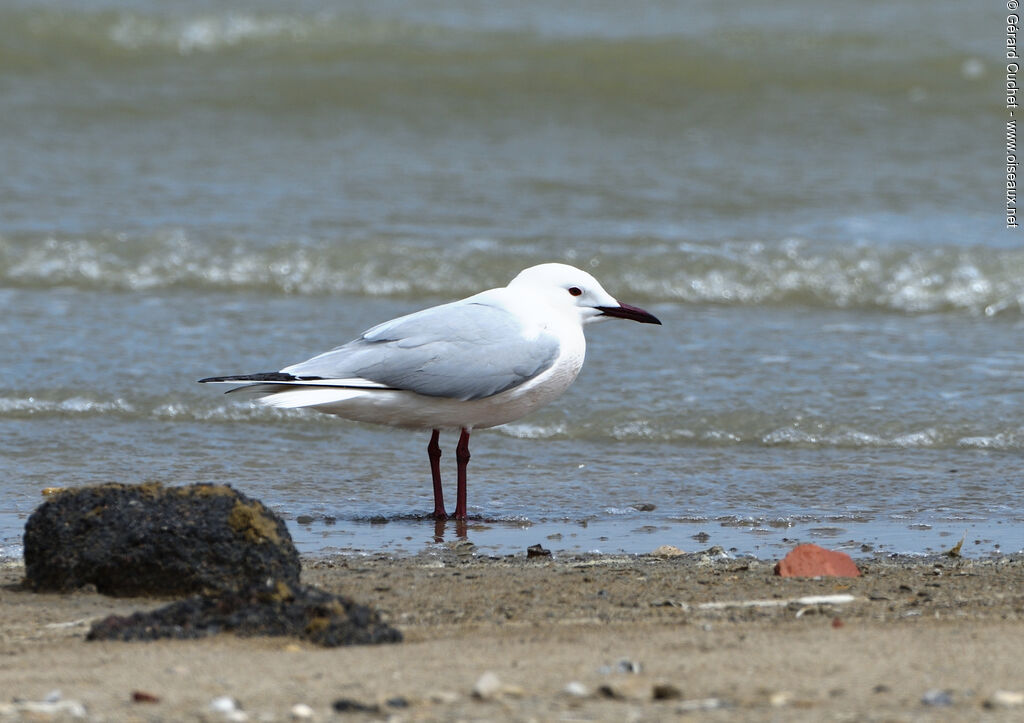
570	290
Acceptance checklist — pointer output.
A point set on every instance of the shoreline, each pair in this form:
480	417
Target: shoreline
707	633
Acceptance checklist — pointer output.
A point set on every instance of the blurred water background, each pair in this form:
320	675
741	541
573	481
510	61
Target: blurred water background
807	194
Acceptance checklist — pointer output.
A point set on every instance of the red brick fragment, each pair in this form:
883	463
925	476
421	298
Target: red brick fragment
815	561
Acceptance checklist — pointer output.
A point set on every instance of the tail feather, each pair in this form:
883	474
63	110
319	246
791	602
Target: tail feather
278	389
292	397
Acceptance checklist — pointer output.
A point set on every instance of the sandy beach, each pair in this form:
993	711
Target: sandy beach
571	638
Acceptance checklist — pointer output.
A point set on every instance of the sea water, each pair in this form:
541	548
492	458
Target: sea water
806	195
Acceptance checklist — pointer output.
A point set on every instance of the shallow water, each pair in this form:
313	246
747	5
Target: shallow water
802	194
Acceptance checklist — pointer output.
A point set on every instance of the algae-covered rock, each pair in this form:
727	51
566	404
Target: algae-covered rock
154	540
276	609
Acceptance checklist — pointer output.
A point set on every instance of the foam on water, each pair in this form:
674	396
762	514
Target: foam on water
593	427
977	280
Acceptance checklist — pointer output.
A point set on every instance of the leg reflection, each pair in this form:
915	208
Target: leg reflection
460	527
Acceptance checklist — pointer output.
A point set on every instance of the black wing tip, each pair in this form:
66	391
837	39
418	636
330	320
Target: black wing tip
262	377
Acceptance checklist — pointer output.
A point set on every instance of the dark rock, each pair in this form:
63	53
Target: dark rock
275	609
154	540
666	691
347	705
537	551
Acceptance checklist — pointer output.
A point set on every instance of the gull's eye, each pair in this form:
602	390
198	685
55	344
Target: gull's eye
575	291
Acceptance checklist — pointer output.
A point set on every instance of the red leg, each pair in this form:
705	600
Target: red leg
434	452
462	458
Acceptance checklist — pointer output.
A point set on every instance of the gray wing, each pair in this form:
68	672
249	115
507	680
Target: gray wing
463	350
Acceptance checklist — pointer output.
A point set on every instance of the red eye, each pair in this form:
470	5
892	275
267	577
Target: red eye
575	291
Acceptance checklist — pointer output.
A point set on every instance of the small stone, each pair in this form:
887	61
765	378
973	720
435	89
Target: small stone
537	551
780	699
837	622
347	705
815	561
630	687
576	689
644	507
444	697
224	704
398	702
665	691
53	696
937	697
301	711
1005	699
667	551
42	710
699	704
628	666
304	520
487	687
141	696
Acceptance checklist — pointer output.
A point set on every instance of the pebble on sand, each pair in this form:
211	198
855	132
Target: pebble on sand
229	709
224	704
576	689
489	687
937	697
638	688
815	561
43	709
627	687
1005	699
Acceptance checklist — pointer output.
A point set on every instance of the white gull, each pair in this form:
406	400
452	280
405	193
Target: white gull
486	360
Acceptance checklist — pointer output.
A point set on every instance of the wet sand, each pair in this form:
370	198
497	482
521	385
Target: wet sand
942	630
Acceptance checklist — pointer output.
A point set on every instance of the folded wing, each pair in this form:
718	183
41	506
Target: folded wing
463	350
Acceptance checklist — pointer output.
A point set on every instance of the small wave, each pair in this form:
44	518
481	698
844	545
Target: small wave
76	406
207	33
534	431
1002	441
725	430
904	279
922	279
854	438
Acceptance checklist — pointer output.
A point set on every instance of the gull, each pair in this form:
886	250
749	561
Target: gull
486	360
